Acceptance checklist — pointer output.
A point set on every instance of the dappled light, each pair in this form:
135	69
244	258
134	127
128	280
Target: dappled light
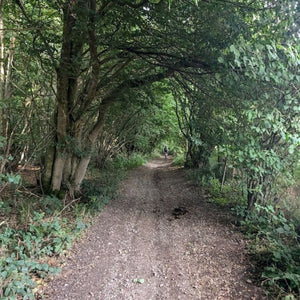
159	163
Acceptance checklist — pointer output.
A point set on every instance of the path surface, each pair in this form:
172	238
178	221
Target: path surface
197	255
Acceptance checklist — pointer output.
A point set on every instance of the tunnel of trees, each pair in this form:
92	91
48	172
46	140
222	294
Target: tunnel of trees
83	82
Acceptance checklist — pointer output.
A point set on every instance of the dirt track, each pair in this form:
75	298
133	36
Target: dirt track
139	250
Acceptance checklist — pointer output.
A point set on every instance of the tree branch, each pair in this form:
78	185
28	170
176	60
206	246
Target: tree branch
180	61
48	48
134	83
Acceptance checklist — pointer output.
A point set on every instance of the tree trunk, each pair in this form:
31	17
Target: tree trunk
67	75
6	61
48	166
84	162
251	194
2	72
57	175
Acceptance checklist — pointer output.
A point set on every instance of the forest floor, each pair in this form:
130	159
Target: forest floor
159	239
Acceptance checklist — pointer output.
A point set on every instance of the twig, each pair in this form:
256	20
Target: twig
59	213
3	222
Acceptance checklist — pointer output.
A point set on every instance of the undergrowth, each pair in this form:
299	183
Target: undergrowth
27	248
275	249
229	194
178	160
36	231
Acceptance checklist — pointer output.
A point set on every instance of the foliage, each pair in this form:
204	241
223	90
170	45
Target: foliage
268	145
16	276
275	247
98	190
9	178
178	160
23	252
254	128
147	124
228	195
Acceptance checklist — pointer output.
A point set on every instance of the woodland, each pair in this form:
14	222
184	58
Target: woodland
92	88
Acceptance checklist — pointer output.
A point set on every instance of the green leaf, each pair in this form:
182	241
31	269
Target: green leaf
139	280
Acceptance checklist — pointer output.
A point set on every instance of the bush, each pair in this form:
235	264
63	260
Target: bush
121	162
155	154
134	161
275	247
227	195
179	160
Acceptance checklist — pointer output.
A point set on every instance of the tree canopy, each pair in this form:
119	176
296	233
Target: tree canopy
86	77
88	86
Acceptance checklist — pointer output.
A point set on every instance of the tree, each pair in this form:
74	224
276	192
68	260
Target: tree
103	50
7	45
251	112
100	59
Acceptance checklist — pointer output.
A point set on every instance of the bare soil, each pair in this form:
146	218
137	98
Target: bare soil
159	239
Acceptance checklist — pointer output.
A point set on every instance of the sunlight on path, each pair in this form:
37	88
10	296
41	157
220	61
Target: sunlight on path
159	163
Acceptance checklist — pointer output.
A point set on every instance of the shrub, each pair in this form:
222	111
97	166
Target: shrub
228	194
275	247
179	160
134	161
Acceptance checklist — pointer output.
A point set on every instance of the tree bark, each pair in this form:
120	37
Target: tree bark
84	162
67	75
6	61
2	71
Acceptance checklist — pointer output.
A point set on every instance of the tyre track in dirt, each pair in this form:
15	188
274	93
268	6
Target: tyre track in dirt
198	255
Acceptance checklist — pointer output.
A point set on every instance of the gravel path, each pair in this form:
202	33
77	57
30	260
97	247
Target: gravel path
157	240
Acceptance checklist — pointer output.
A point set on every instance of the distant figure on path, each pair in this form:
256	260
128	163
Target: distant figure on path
166	150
